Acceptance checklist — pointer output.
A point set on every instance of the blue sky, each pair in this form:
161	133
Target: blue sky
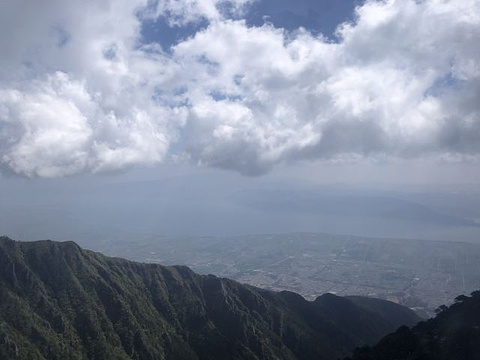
316	16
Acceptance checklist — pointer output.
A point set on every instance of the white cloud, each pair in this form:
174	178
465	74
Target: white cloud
394	85
55	128
81	102
79	92
47	129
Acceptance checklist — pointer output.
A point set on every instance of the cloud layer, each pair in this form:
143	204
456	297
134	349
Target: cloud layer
81	92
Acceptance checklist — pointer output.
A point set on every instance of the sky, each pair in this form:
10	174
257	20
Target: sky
243	85
239	92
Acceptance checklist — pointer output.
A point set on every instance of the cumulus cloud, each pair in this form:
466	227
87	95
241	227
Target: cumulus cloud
79	91
55	127
400	82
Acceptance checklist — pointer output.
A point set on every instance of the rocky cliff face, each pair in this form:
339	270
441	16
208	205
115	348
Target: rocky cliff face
58	301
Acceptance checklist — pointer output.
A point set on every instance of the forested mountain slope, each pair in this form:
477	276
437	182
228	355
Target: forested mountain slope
58	301
454	334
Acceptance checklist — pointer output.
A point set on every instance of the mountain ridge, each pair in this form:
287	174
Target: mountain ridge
59	301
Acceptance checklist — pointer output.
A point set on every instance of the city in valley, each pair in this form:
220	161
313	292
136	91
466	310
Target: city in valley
420	274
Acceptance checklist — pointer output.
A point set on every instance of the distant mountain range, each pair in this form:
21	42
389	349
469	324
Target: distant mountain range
349	205
218	204
59	301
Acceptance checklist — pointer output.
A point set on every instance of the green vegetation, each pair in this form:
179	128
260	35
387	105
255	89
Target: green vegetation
454	334
58	301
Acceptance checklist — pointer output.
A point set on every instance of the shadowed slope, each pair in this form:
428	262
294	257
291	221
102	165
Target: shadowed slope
454	334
